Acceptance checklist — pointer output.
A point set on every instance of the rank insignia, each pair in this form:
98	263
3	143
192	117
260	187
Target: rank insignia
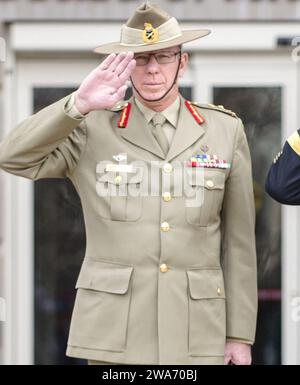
150	34
207	161
277	157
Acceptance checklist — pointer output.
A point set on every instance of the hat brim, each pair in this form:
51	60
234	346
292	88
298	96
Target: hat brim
187	36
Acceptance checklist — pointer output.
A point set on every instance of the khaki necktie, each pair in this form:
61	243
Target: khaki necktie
158	122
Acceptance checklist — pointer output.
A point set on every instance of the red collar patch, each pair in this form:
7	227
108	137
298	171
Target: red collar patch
199	118
124	116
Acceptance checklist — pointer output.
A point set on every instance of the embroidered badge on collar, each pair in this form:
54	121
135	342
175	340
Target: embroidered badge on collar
124	116
196	115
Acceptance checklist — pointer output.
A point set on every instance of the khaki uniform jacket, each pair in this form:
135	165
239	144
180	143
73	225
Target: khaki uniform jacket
149	293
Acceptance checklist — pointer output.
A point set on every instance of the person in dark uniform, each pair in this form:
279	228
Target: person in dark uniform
283	179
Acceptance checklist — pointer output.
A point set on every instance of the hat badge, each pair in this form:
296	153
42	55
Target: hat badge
150	34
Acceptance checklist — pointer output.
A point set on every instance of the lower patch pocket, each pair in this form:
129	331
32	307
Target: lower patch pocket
207	318
100	315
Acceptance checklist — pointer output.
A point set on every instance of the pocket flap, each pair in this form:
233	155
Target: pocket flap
120	178
206	283
211	180
104	276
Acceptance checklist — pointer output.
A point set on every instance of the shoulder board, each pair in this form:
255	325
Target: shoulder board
118	106
216	108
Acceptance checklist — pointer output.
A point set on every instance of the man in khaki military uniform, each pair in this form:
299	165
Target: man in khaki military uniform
163	281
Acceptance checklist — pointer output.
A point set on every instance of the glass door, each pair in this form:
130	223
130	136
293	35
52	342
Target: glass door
260	108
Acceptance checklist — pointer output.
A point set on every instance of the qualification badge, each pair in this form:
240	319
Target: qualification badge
150	34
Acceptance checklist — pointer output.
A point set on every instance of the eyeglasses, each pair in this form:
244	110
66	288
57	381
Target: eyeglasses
161	58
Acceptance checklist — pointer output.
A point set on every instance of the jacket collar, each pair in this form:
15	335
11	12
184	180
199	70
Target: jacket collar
138	132
171	113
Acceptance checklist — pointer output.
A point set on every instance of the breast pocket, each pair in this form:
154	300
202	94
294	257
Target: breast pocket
101	310
206	191
119	196
207	318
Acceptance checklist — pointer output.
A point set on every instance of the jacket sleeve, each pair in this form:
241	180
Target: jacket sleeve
283	179
238	245
48	144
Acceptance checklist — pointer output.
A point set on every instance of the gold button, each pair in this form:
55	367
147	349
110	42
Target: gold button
163	268
219	291
165	226
118	179
167	196
167	167
210	183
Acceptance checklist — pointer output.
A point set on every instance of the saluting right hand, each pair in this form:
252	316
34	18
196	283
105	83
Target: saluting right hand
105	85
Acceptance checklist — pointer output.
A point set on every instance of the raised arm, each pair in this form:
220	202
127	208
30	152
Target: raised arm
49	143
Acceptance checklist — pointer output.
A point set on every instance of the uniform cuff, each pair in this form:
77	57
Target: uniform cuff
72	110
239	340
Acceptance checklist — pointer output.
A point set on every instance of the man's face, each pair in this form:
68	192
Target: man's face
152	80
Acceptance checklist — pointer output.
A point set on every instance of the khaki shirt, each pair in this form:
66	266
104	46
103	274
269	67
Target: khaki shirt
170	113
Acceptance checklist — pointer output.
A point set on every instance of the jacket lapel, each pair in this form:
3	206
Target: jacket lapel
139	133
188	131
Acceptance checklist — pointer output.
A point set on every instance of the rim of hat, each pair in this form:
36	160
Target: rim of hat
150	29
